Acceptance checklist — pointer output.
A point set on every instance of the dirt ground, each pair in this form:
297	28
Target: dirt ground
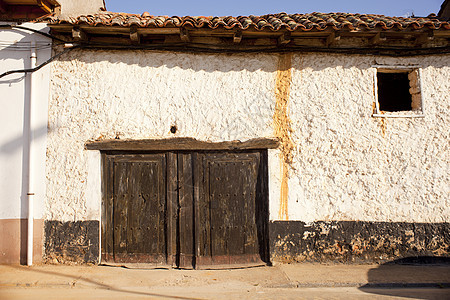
290	281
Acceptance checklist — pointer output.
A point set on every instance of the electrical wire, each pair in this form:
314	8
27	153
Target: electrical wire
23	46
41	65
12	26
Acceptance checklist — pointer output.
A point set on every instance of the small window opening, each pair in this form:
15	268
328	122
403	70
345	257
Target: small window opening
393	92
398	92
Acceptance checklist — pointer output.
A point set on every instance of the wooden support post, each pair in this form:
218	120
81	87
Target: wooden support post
78	34
332	38
377	39
135	35
284	38
237	37
184	35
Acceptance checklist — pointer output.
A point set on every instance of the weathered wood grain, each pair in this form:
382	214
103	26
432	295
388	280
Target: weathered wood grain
174	144
186	211
189	209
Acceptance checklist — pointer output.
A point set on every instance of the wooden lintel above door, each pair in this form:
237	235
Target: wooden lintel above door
179	144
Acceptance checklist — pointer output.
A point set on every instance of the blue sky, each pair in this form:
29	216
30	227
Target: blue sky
253	7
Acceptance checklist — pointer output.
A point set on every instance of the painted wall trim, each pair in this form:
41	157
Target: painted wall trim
13	241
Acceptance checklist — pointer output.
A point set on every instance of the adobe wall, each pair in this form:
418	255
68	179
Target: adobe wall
336	163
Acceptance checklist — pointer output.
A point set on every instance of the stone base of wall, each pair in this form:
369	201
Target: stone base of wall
290	241
72	242
13	241
356	242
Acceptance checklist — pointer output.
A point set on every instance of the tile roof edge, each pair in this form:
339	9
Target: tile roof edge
274	22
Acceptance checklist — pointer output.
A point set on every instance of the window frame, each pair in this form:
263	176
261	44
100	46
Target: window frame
419	113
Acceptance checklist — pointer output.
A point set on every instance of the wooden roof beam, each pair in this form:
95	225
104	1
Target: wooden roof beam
285	38
79	34
237	37
377	38
135	36
333	38
44	6
184	35
425	38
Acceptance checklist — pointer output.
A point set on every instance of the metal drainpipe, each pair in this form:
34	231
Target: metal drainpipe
30	193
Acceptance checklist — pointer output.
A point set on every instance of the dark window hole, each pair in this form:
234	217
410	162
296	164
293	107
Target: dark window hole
393	91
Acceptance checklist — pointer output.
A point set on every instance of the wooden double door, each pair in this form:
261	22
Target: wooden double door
186	209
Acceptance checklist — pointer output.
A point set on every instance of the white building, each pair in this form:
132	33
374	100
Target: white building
200	141
23	117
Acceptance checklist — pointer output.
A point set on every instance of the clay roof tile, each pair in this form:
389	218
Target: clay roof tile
275	22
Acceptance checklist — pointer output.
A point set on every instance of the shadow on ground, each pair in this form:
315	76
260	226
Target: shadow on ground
100	285
386	280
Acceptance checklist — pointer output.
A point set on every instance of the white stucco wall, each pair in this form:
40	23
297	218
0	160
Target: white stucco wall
140	95
344	167
14	93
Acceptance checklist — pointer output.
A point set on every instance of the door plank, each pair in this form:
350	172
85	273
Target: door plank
172	204
121	197
202	219
186	205
238	208
107	209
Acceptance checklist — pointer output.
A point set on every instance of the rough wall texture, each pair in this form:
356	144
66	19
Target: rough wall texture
71	242
104	94
355	242
350	166
346	165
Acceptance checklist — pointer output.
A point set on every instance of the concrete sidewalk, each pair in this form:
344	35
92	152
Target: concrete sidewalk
282	280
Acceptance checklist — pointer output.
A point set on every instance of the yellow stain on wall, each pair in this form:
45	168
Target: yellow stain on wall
282	127
383	126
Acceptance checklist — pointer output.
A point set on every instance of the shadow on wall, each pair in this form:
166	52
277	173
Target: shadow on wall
16	151
17	143
14	80
235	62
410	277
9	148
206	62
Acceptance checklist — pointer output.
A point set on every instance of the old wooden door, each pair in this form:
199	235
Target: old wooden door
136	225
186	209
226	214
